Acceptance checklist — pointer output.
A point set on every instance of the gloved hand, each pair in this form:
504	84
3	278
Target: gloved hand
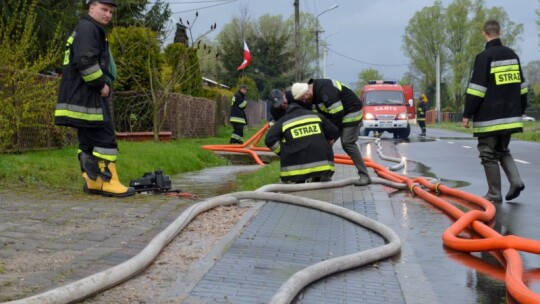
271	123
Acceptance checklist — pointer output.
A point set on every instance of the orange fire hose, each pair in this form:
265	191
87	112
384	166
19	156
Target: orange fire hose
473	220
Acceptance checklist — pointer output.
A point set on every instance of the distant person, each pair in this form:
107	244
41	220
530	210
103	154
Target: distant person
83	100
238	115
421	110
344	109
303	140
495	102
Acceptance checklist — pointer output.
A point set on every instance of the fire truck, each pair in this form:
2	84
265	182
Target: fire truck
387	107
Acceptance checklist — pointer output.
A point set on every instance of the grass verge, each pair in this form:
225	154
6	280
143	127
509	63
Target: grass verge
60	168
531	129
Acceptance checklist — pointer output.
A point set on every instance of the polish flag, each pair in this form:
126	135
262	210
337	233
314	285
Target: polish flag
247	58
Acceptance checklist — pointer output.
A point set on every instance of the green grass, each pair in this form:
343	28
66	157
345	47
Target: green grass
268	174
60	168
531	129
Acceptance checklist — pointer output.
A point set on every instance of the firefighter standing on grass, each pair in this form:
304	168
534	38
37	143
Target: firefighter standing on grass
238	115
83	100
421	110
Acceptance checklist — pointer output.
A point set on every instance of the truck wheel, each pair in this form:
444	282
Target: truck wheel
363	131
405	133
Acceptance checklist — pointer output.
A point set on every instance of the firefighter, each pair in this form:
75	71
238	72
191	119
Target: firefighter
238	115
303	140
83	100
496	100
421	110
344	109
280	101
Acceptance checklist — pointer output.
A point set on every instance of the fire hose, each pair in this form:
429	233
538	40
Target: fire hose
475	220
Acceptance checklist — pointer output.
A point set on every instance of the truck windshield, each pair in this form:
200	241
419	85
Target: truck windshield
383	98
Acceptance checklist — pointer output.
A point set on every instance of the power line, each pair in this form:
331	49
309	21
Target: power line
204	7
187	2
364	62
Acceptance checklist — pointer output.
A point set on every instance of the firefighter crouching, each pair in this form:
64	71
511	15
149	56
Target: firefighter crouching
303	139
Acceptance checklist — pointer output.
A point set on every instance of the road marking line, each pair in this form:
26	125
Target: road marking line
521	161
467	147
451	142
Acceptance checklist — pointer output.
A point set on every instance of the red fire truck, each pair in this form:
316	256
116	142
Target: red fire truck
387	106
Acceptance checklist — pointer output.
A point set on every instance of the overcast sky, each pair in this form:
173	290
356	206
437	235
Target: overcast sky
362	34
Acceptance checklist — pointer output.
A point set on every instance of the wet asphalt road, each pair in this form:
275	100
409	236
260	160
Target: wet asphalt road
452	158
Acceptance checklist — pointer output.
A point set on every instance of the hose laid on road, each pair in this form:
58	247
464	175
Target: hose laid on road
110	277
473	219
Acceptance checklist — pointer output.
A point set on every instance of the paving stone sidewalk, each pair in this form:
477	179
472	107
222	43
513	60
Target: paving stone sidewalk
283	239
50	237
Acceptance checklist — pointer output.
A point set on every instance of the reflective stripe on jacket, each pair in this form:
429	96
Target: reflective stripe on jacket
497	93
336	102
238	104
301	138
85	71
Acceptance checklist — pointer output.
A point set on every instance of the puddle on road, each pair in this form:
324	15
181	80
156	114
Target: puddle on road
211	182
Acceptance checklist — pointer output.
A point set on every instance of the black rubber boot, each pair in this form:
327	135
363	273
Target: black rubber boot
512	173
493	176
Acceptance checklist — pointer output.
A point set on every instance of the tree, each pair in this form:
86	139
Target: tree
135	13
459	33
366	75
538	23
424	39
308	49
26	99
273	65
455	34
230	44
50	16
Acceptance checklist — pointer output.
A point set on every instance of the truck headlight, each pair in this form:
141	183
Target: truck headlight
369	116
402	116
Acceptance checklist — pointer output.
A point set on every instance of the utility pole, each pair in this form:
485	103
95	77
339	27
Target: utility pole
317	31
297	38
438	89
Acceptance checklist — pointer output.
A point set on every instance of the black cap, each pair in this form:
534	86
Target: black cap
111	2
276	97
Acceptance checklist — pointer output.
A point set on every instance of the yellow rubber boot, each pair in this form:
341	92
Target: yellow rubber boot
91	186
114	187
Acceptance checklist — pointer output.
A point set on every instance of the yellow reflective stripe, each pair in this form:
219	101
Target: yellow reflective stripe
506	126
504	68
237	120
243	104
70	40
476	93
336	107
524	90
78	115
308	170
287	126
93	76
276	148
105	156
351	117
338	85
238	137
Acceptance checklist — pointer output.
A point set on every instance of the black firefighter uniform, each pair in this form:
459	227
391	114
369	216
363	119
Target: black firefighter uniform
301	138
